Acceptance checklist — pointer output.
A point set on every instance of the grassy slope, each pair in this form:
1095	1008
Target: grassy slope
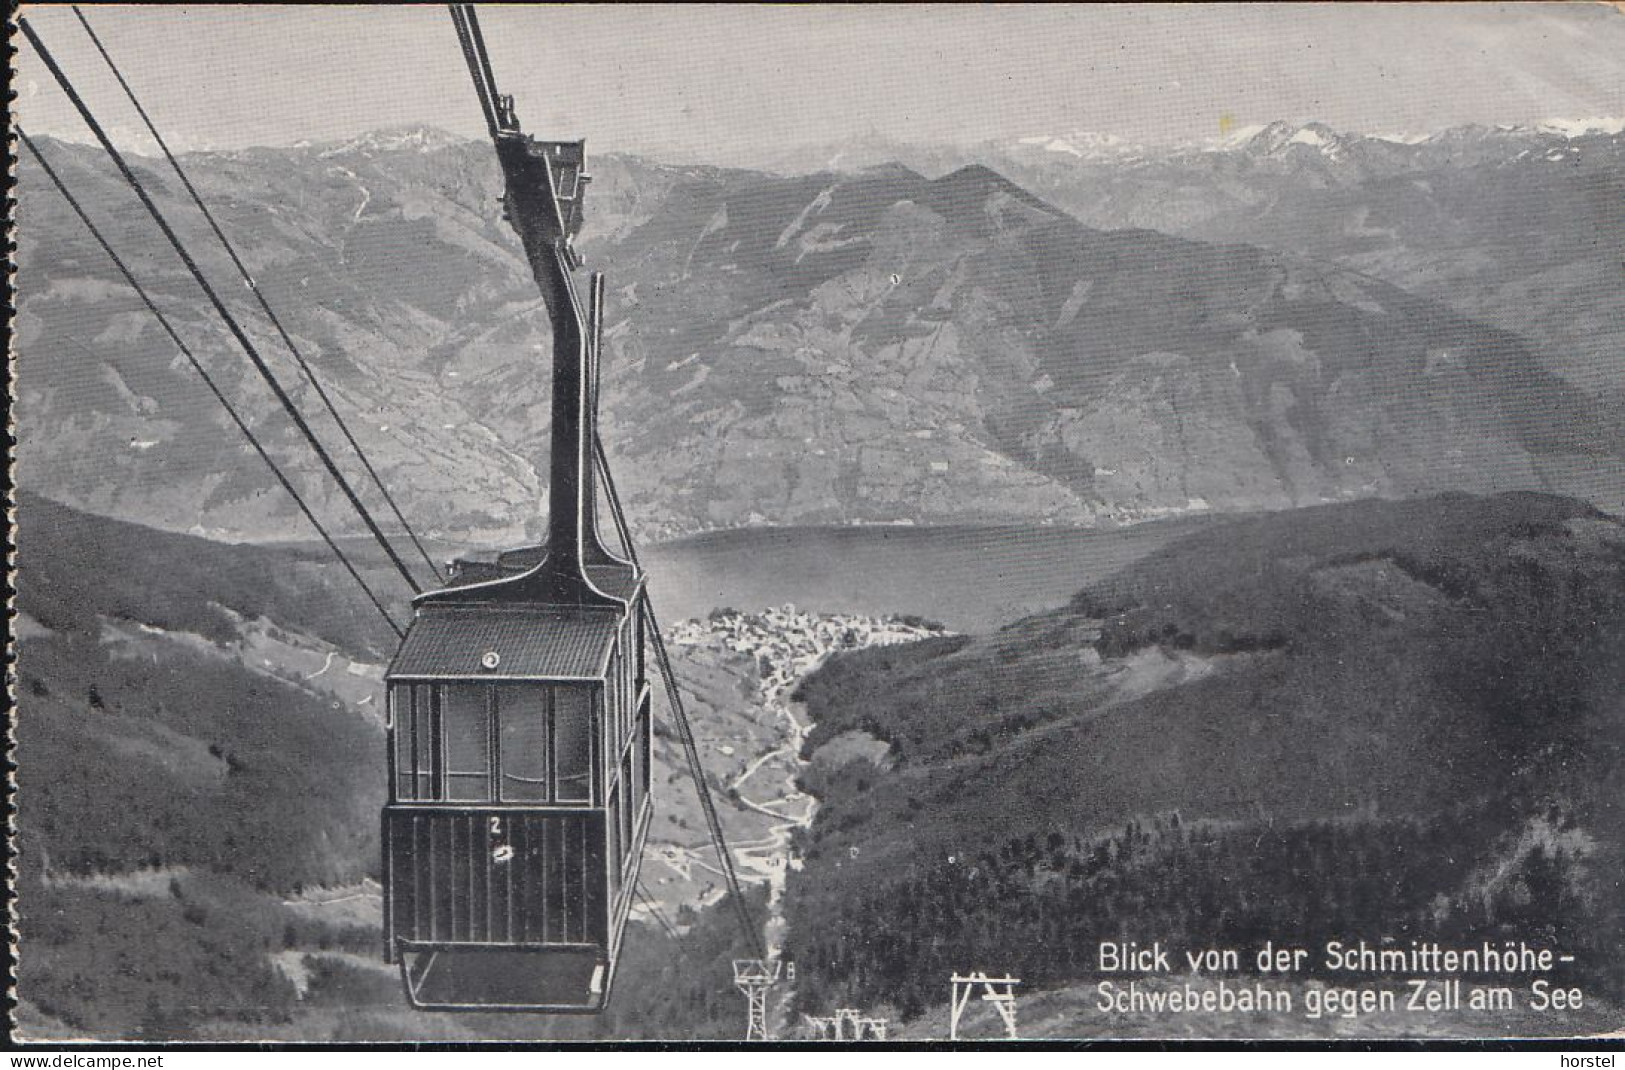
76	566
1453	660
168	794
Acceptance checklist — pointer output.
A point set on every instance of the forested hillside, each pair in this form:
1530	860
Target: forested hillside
171	788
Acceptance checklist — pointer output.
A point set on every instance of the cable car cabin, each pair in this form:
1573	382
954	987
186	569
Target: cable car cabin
519	711
519	743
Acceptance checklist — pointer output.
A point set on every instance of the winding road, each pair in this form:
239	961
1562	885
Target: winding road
790	645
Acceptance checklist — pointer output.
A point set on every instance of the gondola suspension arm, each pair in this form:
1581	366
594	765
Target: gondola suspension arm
548	257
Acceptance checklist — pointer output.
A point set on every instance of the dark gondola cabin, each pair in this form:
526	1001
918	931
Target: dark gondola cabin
519	712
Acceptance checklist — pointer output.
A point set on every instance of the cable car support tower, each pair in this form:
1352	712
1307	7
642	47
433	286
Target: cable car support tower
999	991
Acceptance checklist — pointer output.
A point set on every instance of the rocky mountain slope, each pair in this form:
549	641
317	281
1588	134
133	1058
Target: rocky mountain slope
1517	227
826	348
1514	226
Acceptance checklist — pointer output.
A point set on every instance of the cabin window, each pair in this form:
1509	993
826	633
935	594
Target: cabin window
612	701
493	743
642	674
640	751
413	740
467	726
572	743
427	736
522	743
629	696
400	740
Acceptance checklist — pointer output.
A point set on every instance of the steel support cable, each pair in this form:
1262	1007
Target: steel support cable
459	20
697	771
208	380
265	305
219	306
685	731
484	59
622	532
674	698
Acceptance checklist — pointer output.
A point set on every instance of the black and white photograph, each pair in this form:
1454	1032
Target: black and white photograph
797	525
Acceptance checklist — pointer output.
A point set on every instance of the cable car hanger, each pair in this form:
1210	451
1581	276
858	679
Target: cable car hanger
520	708
499	115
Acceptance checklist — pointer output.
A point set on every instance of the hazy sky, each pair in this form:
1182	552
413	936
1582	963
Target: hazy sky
717	82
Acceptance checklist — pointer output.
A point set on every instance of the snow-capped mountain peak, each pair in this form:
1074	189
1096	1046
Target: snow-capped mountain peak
1082	144
1280	136
1581	127
1232	139
415	137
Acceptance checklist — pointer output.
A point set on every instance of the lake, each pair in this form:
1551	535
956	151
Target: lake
968	578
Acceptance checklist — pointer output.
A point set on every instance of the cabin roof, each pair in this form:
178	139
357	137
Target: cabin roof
617	581
531	643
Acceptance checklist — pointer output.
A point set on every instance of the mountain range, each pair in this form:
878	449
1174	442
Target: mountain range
866	345
1513	225
1396	716
1519	228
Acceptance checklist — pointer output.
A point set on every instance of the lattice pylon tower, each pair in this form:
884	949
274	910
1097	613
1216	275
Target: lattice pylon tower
754	977
819	1028
845	1024
848	1024
999	991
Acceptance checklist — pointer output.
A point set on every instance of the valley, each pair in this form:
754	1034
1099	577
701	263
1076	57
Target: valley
783	645
1057	541
1119	738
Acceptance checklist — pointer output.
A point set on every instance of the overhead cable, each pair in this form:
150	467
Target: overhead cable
208	380
219	306
248	278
